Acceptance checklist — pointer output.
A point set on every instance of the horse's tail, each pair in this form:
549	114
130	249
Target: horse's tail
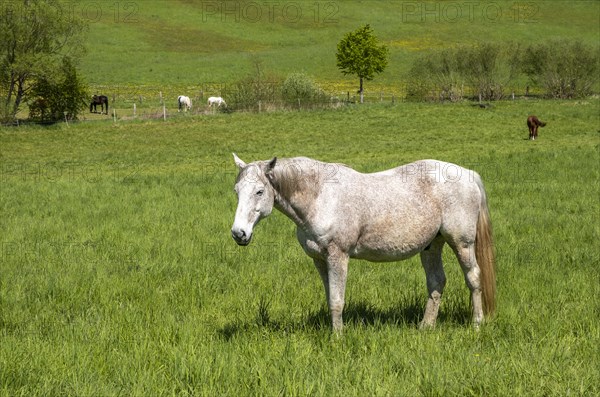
533	121
484	253
106	99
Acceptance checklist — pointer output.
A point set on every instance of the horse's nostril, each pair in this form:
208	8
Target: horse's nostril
241	237
238	234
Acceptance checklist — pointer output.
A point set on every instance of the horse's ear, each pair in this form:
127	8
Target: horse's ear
272	163
238	161
270	166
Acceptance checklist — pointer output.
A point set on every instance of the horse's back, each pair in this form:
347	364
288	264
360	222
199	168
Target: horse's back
426	177
423	179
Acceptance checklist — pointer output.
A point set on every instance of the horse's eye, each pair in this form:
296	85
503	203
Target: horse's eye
260	192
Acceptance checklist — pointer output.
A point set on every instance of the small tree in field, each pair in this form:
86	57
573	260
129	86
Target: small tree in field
359	53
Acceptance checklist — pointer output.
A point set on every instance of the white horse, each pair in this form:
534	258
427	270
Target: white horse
385	216
216	100
184	102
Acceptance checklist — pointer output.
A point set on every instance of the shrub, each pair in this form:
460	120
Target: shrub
298	86
563	69
255	90
488	68
55	99
434	76
300	90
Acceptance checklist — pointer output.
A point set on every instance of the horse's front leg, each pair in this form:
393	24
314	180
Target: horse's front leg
337	271
321	266
431	259
333	274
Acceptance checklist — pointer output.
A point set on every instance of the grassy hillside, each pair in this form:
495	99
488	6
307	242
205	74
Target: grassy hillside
187	42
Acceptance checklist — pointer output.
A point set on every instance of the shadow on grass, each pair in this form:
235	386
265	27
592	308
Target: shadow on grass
364	314
356	314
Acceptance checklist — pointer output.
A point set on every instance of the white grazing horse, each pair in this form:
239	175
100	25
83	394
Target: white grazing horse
183	102
384	216
216	100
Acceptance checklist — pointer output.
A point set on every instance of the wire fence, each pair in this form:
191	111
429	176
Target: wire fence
129	102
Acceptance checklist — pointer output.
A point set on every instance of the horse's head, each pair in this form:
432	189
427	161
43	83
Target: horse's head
256	197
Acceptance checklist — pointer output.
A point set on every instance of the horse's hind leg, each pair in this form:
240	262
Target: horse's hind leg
465	253
431	259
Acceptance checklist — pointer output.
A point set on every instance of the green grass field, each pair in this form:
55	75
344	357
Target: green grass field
190	44
119	275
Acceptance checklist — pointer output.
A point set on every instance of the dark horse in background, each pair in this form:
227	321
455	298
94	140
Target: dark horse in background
533	123
101	100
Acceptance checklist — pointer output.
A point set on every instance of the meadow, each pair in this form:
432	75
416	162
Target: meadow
188	45
119	275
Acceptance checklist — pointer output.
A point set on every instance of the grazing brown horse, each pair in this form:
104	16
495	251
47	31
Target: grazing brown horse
533	123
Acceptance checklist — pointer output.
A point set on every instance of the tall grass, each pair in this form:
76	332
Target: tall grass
119	275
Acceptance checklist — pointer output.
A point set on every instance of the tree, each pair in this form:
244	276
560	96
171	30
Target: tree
35	38
359	53
60	98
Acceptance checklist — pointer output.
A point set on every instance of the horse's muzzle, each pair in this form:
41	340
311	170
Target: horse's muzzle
240	237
